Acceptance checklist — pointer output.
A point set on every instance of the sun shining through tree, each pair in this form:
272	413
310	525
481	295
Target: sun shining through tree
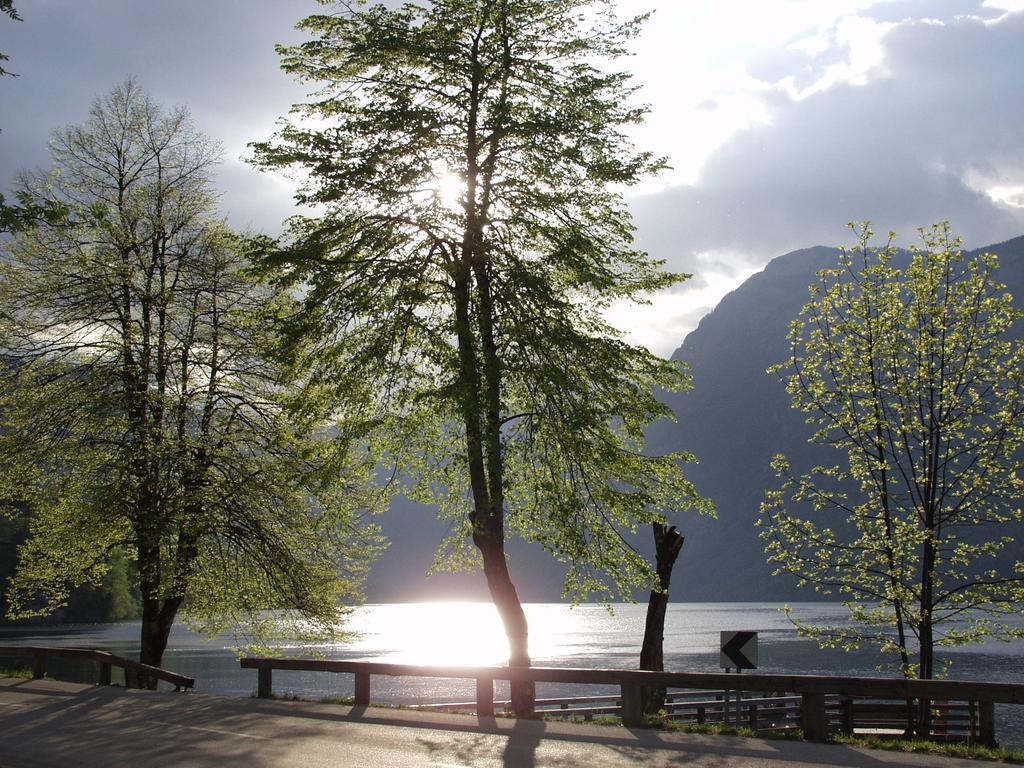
449	190
464	327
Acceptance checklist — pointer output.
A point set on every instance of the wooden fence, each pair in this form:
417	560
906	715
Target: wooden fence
817	704
106	661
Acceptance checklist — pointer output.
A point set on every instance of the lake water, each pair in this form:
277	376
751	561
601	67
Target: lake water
560	635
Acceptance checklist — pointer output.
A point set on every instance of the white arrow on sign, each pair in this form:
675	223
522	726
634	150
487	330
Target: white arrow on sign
738	650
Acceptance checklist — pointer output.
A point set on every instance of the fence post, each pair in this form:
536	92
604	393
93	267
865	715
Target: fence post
263	684
362	689
104	673
38	665
987	723
632	709
812	716
484	697
848	714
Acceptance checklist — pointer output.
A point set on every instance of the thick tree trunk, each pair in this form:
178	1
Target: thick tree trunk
503	591
667	544
506	600
157	621
157	616
481	412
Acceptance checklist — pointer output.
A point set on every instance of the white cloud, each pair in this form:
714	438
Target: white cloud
1012	196
861	38
1009	6
921	125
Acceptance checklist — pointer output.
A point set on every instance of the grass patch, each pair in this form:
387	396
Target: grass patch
922	746
660	722
718	729
919	746
17	672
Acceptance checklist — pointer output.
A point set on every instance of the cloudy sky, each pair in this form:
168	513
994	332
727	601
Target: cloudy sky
782	119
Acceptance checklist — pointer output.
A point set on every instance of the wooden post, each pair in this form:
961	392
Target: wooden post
104	673
263	685
848	714
485	697
362	689
987	723
632	705
38	665
812	716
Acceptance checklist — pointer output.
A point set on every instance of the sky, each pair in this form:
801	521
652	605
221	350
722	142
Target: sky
782	119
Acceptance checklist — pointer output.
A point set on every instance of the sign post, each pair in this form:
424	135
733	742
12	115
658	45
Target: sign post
738	650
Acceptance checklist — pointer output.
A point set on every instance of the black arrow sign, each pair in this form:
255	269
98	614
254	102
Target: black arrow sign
739	650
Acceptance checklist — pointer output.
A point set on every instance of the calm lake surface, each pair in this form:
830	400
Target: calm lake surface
584	636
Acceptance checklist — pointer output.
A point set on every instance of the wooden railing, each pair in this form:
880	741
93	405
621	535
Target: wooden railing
821	699
105	660
764	711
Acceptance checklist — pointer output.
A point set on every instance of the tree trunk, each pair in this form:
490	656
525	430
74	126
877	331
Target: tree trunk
156	628
481	379
481	413
506	600
157	616
499	582
926	654
153	638
667	544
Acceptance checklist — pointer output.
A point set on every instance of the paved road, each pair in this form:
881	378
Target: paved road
46	724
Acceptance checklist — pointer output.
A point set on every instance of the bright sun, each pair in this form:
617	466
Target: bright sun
448	190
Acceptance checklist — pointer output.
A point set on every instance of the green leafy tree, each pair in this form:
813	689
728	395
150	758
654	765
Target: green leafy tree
913	373
467	157
139	410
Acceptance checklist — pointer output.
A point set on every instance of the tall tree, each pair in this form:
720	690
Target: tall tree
139	409
914	374
468	158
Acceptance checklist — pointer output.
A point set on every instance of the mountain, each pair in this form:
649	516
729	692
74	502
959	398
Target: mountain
737	417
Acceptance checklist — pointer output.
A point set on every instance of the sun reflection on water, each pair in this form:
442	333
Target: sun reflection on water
453	633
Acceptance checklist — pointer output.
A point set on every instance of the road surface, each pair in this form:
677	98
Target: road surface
46	724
